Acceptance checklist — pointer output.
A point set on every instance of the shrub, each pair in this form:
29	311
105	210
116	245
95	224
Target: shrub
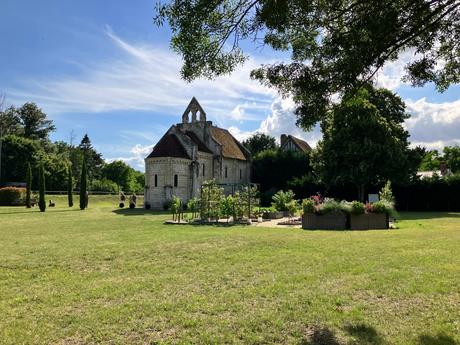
12	196
384	206
193	206
292	207
281	200
226	206
357	208
333	206
104	185
176	207
211	195
386	193
308	206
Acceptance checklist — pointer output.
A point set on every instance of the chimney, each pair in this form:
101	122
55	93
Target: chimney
443	167
283	139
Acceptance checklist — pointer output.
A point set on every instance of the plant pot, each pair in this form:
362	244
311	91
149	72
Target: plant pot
332	221
369	221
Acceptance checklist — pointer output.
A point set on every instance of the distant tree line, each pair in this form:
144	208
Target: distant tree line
25	140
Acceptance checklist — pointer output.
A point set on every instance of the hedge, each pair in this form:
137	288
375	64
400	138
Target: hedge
12	196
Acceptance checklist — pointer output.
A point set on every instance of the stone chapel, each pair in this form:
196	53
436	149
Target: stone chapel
190	153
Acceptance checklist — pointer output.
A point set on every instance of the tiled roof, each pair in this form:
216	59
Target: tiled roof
231	148
201	146
169	146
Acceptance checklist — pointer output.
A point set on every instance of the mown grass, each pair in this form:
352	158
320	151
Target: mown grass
106	275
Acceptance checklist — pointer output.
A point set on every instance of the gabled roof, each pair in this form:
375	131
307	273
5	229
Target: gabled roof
201	146
301	144
231	148
169	146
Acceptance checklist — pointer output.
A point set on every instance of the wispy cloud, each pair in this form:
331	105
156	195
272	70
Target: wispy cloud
144	78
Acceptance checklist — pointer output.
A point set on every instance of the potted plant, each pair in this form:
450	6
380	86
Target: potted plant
281	201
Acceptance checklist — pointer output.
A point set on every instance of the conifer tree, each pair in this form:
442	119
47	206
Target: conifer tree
41	188
83	187
29	185
69	186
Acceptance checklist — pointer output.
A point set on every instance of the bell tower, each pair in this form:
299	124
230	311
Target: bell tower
195	109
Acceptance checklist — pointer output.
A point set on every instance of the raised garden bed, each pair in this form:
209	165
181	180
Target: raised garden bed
331	221
272	215
369	221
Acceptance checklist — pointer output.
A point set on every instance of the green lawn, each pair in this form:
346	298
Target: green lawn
122	277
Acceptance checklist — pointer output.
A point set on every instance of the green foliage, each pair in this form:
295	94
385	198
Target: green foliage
193	206
176	208
364	142
104	185
29	185
384	206
12	196
292	207
281	200
334	45
83	187
247	201
259	142
386	193
41	188
128	179
333	206
69	187
267	172
226	206
93	159
308	206
211	196
451	156
357	208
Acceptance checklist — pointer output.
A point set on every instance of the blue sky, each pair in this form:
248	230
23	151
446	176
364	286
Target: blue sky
104	68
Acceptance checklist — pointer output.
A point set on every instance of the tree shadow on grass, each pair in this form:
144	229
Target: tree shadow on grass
38	211
319	335
439	339
364	334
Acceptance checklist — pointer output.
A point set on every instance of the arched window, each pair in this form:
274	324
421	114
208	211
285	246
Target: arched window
176	182
203	170
156	180
226	172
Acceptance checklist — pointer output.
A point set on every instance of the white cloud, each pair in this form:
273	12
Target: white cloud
434	125
143	78
138	154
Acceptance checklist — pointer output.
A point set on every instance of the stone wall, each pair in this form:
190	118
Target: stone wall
165	168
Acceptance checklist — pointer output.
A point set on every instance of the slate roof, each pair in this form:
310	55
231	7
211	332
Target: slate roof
169	146
231	148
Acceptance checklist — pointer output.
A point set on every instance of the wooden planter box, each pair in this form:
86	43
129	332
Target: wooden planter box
369	221
332	221
272	215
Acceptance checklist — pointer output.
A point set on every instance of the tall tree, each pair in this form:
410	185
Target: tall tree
28	185
364	142
94	161
83	187
452	158
10	122
335	45
34	123
126	178
259	142
69	186
41	188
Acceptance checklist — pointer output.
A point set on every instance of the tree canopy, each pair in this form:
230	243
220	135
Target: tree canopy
335	45
259	142
364	142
